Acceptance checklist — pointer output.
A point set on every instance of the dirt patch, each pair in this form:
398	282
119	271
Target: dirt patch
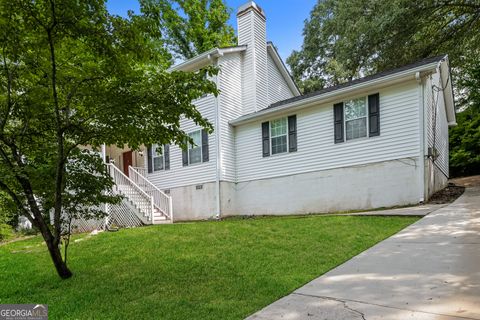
472	181
447	195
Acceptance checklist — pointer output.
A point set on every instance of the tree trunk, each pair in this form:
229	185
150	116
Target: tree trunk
60	265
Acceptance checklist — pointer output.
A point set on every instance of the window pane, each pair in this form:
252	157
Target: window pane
158	163
154	151
279	144
195	150
355	109
197	138
356	128
195	155
278	127
157	157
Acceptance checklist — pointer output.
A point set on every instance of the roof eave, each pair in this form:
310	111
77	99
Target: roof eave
205	59
305	103
448	95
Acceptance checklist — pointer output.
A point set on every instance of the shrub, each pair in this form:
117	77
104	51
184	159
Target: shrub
6	232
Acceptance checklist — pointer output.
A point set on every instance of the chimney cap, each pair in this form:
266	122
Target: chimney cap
250	5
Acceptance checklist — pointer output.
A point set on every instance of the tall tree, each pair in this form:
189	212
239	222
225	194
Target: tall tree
465	137
73	75
345	39
191	27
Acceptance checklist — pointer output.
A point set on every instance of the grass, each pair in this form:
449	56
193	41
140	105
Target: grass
209	270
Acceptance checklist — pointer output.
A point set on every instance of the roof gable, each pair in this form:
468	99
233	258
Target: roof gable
273	53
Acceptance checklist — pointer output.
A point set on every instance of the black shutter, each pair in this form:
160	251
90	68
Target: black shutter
292	133
266	139
338	122
374	115
185	154
204	146
166	156
149	159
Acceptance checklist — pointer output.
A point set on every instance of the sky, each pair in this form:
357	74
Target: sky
285	19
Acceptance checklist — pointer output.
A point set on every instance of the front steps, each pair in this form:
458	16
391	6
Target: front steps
140	201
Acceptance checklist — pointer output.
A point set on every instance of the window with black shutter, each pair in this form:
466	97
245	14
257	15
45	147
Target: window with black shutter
149	159
205	146
279	136
166	154
266	139
292	133
198	151
338	122
158	158
374	115
357	118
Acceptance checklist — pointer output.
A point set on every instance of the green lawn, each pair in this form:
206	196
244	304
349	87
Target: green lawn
209	270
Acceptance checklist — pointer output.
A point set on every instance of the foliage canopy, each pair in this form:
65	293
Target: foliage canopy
73	75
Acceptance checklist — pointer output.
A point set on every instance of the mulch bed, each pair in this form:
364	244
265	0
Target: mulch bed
447	195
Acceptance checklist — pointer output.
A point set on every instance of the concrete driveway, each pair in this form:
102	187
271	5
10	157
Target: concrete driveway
430	270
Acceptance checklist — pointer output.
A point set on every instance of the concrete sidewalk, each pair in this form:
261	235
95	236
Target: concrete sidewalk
430	270
420	210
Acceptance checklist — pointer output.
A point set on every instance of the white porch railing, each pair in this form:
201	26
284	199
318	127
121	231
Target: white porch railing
125	186
140	170
161	200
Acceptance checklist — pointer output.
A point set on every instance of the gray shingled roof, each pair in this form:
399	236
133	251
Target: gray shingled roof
357	81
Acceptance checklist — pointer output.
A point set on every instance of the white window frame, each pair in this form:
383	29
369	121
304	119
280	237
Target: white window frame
154	148
271	135
345	118
190	147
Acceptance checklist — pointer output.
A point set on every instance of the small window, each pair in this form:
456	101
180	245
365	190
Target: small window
158	158
356	118
195	150
278	135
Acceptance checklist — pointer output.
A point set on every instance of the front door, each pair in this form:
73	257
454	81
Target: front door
127	161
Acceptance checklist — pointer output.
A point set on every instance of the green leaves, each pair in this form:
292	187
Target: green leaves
191	27
465	137
347	39
71	76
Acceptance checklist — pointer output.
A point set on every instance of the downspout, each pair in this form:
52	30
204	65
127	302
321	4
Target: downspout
218	146
421	122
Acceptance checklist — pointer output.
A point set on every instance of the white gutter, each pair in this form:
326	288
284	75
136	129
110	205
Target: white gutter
205	58
307	102
422	138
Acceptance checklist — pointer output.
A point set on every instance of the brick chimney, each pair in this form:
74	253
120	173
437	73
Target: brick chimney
252	32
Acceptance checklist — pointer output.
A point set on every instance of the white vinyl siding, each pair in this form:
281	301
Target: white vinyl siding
252	32
230	101
436	122
178	175
278	88
399	122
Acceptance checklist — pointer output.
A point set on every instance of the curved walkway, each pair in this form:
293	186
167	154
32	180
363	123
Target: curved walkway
430	270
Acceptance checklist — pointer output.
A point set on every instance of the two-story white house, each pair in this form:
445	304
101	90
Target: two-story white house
378	141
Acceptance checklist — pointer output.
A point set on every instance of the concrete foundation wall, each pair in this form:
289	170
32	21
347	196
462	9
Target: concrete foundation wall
436	180
383	184
193	203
